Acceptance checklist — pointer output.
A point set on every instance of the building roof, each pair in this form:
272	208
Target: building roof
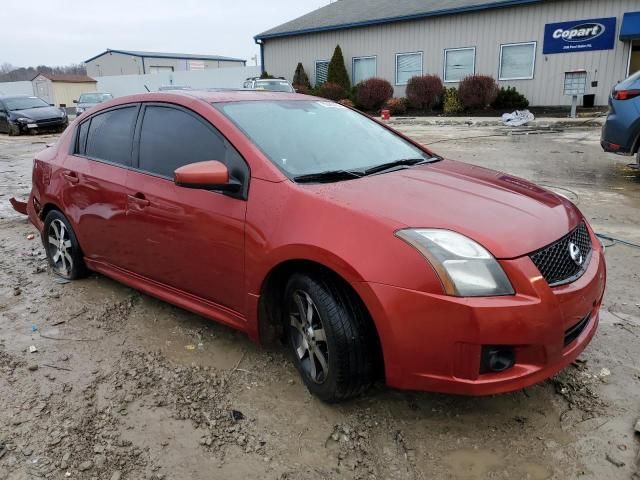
177	56
66	78
344	14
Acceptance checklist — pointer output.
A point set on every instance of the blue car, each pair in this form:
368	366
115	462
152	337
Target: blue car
621	131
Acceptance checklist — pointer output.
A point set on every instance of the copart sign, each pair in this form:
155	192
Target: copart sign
580	36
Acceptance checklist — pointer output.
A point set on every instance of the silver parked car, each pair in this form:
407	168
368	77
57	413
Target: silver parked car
269	84
89	100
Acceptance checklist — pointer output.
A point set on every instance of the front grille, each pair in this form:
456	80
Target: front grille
48	121
574	332
554	261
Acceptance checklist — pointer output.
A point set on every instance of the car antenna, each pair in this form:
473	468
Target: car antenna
147	88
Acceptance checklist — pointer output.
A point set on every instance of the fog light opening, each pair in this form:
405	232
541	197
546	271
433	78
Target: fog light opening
497	359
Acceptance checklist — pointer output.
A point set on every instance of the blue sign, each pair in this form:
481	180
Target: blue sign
580	36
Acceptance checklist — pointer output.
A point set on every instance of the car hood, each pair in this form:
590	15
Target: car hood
87	105
509	216
37	113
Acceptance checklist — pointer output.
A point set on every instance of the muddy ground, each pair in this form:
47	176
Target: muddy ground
124	386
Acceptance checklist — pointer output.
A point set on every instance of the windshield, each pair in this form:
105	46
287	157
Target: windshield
313	136
95	97
23	103
274	85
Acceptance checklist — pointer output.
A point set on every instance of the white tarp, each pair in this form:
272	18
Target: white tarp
517	118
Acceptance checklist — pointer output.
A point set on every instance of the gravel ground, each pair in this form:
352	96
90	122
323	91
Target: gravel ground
123	386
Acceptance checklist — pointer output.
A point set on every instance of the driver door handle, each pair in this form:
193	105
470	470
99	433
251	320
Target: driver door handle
71	177
139	199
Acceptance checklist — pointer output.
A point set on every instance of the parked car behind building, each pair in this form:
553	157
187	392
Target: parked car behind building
89	100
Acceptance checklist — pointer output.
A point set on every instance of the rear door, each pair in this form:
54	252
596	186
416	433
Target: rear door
95	172
189	239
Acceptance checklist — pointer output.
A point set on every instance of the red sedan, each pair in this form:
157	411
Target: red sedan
371	255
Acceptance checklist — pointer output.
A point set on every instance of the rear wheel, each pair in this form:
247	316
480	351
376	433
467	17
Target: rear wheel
329	337
61	246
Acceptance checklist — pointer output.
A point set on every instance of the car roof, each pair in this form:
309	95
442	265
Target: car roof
216	96
7	97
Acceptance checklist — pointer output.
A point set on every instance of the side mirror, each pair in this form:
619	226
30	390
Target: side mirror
75	101
210	175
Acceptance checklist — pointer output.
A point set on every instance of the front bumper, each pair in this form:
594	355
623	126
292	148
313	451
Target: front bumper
40	125
433	342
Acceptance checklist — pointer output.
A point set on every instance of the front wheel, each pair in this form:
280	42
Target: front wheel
330	337
14	130
62	248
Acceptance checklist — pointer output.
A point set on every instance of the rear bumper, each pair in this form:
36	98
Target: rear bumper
434	342
18	206
621	129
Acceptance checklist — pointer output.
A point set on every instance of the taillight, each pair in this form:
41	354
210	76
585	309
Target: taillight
626	94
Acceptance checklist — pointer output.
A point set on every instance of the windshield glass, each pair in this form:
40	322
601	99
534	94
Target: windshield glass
274	85
95	97
23	103
312	136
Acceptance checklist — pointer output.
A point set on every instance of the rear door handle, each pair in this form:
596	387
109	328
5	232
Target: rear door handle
71	177
139	199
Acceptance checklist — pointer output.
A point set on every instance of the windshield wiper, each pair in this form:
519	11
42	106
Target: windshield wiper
328	176
397	163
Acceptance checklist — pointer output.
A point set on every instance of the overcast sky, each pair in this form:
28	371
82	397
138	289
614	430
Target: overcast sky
61	32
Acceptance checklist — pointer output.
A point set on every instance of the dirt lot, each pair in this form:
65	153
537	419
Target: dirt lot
127	387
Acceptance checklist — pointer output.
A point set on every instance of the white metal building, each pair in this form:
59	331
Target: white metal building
529	44
131	62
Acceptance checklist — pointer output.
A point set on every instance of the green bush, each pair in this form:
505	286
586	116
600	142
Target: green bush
373	93
396	106
337	72
332	91
266	75
510	99
301	80
452	104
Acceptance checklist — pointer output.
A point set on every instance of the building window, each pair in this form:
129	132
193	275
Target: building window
322	68
459	63
363	68
408	65
517	61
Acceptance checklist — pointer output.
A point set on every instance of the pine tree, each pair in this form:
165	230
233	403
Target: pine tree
300	78
337	72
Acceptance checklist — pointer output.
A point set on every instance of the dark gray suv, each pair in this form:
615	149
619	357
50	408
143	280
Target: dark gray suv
621	131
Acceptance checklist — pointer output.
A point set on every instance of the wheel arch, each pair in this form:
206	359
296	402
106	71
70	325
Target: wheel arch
47	207
270	325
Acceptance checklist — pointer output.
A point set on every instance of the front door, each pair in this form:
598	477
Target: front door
189	239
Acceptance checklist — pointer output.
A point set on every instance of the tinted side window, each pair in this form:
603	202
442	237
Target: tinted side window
171	138
110	135
82	137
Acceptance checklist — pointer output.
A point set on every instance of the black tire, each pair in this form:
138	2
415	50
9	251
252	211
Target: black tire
349	347
67	262
14	130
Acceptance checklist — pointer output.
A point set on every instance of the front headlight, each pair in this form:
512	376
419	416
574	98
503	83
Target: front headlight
79	110
465	268
63	113
24	120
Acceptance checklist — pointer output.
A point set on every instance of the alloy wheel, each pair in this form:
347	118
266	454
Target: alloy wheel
60	248
308	336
